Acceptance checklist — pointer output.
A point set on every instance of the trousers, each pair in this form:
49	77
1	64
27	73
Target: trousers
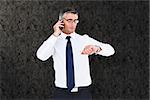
63	94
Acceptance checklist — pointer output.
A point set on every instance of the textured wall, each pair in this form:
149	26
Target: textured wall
24	25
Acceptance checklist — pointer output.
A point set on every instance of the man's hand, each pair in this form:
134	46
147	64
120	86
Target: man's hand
91	49
57	29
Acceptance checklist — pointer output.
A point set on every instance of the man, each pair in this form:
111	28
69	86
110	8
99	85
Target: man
70	52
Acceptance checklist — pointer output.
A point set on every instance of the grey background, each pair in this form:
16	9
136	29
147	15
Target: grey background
24	25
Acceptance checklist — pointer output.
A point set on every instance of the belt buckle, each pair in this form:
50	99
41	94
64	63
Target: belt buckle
75	89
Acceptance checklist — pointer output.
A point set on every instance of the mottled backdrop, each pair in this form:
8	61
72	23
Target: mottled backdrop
24	25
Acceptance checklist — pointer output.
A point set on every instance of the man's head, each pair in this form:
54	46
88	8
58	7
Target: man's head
70	19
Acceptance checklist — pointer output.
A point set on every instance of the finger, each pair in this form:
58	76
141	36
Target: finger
83	52
91	51
87	47
61	25
88	51
59	22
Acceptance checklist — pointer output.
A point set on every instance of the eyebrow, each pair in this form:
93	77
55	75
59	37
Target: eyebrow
72	19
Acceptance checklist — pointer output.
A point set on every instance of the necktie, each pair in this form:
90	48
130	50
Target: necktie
69	65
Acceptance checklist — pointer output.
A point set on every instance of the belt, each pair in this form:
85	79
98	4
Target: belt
74	90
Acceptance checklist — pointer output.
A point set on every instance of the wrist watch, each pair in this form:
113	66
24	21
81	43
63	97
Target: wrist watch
99	48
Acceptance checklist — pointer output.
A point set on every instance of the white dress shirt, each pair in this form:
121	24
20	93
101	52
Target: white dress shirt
56	47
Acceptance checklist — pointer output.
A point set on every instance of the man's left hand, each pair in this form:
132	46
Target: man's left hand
91	49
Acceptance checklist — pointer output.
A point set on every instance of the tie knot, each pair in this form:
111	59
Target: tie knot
68	37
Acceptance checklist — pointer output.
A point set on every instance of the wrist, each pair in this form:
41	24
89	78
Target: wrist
56	34
98	49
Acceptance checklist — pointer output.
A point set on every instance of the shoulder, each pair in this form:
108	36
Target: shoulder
82	36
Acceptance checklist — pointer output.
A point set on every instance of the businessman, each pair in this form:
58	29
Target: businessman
70	52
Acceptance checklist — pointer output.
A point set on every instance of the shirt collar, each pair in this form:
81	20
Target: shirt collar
63	35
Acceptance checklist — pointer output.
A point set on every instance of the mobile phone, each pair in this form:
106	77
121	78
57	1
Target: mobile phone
61	18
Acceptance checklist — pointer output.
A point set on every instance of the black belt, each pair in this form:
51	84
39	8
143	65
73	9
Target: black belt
79	89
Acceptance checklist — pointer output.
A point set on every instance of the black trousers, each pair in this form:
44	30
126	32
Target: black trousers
63	94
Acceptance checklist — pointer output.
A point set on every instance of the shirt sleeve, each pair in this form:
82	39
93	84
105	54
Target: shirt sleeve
46	50
107	49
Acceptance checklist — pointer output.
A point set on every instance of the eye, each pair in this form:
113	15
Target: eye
76	21
69	20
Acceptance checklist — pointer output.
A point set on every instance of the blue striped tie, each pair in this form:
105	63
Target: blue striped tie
69	65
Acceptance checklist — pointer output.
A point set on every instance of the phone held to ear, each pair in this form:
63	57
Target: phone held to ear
60	18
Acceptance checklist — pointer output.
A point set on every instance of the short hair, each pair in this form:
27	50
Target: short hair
68	10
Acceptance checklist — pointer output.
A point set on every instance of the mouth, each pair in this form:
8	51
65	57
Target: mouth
72	28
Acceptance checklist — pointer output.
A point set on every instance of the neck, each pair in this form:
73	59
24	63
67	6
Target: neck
67	32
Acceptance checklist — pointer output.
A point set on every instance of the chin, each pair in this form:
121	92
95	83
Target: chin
69	31
72	31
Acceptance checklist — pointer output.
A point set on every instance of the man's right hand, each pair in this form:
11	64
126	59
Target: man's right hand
57	29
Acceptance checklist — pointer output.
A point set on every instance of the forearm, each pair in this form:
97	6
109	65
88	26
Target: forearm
47	48
105	50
